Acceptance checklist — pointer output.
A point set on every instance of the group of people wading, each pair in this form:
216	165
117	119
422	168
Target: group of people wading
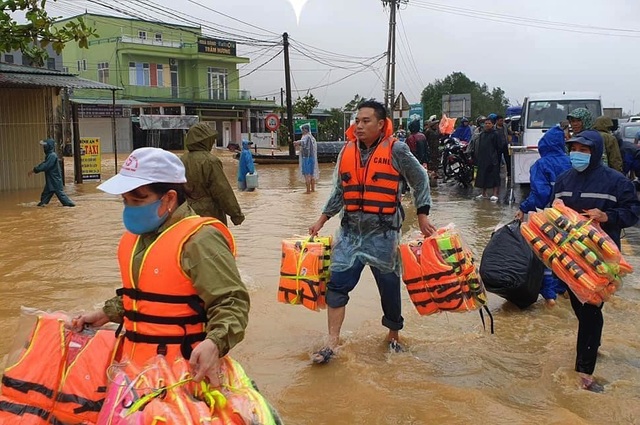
181	290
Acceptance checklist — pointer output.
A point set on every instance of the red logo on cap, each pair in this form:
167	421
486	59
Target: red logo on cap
131	164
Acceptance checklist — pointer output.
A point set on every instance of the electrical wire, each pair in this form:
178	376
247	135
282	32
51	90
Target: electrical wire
527	22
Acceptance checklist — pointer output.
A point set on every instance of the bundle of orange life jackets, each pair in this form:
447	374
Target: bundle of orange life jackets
304	271
578	251
440	274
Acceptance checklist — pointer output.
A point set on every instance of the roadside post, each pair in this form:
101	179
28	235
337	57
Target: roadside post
272	122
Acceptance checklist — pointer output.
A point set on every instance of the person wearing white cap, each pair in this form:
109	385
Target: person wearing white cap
181	290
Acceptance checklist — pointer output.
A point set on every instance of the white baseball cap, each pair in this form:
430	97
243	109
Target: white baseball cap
145	166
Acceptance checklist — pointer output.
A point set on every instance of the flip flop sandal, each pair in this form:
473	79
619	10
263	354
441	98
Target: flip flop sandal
323	356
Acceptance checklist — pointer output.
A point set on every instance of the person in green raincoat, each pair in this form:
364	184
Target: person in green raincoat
209	191
52	176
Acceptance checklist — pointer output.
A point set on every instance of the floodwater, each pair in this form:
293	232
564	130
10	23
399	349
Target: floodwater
453	372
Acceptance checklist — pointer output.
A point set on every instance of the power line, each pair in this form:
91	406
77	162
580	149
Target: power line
411	56
528	22
232	18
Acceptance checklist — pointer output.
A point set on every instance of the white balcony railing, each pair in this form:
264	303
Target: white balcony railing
151	42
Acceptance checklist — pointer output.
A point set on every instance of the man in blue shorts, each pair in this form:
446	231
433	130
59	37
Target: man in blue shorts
366	192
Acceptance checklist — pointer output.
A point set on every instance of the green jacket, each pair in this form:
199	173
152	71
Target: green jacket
211	194
612	156
207	260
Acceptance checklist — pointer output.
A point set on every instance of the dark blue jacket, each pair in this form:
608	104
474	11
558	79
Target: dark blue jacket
630	153
544	172
600	187
50	167
245	162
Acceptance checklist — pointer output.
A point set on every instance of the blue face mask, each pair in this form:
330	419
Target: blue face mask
580	160
143	219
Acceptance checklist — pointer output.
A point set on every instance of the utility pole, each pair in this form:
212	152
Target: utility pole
390	83
287	82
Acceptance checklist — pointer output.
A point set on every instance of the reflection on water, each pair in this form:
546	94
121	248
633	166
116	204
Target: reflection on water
453	372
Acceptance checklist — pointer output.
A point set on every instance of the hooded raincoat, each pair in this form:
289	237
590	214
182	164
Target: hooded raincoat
308	158
600	187
463	132
52	175
211	194
544	172
612	156
245	165
608	190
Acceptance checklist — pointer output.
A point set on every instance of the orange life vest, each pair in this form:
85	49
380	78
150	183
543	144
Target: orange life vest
59	377
163	312
372	188
440	275
302	273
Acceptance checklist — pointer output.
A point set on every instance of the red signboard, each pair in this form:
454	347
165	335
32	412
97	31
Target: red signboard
272	122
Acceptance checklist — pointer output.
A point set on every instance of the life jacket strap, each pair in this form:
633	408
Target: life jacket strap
25	386
163	320
159	298
20	409
85	404
137	337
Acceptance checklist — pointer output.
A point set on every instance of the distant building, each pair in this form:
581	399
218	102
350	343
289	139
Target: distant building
164	69
54	62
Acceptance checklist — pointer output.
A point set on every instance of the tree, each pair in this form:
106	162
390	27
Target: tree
352	105
305	105
483	100
331	128
38	32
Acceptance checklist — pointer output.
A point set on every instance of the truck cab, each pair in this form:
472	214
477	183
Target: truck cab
540	112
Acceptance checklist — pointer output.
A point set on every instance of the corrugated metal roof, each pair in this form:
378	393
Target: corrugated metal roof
18	76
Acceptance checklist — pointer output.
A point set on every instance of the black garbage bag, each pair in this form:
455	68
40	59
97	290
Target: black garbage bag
510	269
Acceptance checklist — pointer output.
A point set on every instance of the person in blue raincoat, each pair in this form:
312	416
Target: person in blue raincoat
543	174
463	132
606	196
245	165
52	175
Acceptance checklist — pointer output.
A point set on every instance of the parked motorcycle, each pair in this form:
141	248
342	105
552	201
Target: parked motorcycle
456	163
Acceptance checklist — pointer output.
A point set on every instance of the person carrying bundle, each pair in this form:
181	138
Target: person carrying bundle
608	198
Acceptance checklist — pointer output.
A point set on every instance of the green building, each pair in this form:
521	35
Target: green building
164	69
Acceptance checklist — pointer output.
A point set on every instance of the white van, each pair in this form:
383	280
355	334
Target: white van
540	112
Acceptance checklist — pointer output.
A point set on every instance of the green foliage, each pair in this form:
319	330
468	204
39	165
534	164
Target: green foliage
352	105
331	128
33	36
304	105
483	100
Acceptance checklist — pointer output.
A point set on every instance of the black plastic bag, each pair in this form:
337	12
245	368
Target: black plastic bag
509	268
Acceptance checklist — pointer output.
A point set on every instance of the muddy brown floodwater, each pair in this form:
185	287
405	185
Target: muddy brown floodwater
453	372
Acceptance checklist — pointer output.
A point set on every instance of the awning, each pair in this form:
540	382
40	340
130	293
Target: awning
19	76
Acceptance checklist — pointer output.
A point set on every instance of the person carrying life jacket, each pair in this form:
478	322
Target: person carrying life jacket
181	290
366	193
606	196
543	174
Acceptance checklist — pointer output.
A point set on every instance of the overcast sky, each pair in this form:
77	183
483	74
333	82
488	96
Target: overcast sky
502	43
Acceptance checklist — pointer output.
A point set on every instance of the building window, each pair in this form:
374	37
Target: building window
160	71
8	58
217	79
132	74
158	36
51	63
103	72
146	75
79	66
25	60
84	64
65	69
142	35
